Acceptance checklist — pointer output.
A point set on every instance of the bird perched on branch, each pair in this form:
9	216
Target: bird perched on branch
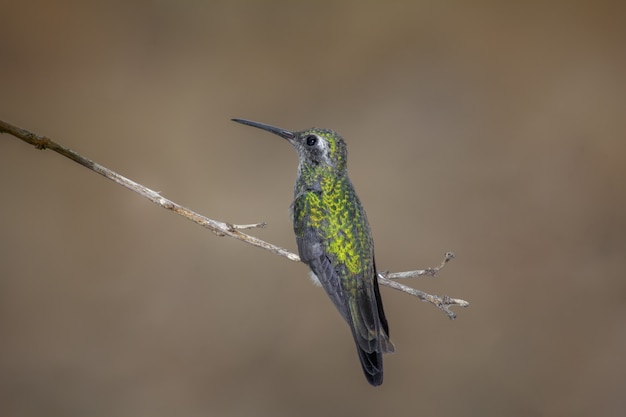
334	239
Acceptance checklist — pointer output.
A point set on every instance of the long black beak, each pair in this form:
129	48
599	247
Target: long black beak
275	130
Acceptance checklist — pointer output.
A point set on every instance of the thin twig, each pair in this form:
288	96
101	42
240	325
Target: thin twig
217	227
428	272
227	229
443	303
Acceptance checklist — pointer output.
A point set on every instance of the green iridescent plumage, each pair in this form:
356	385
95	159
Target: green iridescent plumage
334	240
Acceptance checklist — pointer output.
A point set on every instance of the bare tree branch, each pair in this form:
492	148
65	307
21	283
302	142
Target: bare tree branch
226	229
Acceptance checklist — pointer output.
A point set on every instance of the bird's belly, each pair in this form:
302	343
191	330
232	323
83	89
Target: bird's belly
314	278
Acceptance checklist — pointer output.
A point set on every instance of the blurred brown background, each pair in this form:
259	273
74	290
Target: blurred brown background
491	129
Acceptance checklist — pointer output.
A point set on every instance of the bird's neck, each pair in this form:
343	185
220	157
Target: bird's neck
317	178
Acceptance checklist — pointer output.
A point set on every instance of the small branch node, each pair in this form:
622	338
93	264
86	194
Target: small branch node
165	203
42	143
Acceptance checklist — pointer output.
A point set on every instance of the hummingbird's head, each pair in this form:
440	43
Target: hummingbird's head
315	147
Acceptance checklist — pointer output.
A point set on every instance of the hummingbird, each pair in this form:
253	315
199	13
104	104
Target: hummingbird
335	241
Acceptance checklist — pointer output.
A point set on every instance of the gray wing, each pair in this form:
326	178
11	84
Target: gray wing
311	251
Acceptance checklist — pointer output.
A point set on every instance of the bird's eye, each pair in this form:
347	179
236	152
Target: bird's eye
311	140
